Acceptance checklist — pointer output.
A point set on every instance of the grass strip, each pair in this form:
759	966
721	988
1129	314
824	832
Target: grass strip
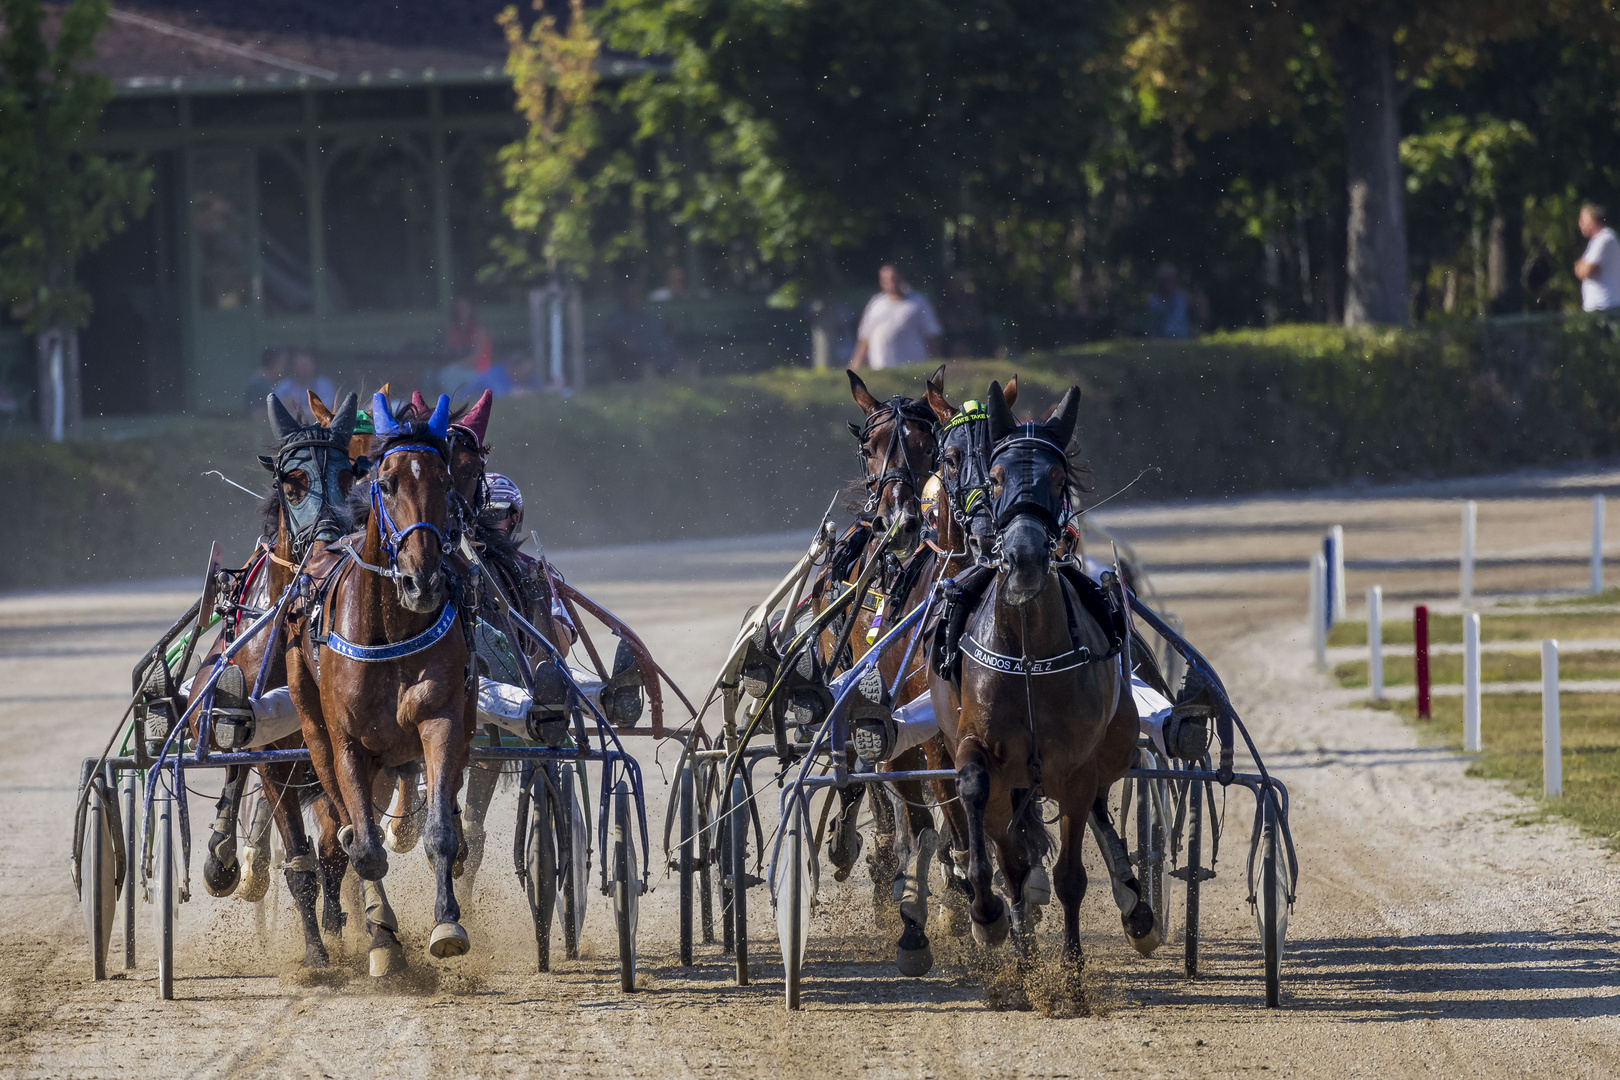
1494	667
1493	626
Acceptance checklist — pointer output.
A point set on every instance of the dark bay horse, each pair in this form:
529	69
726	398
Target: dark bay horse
380	670
1042	707
308	503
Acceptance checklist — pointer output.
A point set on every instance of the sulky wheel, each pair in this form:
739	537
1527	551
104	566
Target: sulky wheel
792	898
737	842
129	869
1271	896
626	886
166	894
1193	867
540	862
569	819
98	886
686	860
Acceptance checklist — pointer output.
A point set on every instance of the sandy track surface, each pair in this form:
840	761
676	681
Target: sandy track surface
1433	935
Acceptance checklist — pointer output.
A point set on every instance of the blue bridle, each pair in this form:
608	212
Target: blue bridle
393	537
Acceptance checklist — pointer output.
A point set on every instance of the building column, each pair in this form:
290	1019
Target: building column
438	150
315	192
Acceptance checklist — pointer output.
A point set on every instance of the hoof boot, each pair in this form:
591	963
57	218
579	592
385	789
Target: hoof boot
386	960
914	963
992	934
1149	941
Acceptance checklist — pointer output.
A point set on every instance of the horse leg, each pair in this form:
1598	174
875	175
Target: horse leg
988	913
302	868
404	829
845	843
481	779
913	955
334	863
445	753
1141	927
953	855
882	863
256	859
360	836
1070	886
221	871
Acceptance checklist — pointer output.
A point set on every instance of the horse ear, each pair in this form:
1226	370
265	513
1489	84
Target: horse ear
269	463
439	422
318	409
863	396
341	423
1061	426
943	409
282	422
419	409
854	428
1002	420
1011	392
476	419
382	417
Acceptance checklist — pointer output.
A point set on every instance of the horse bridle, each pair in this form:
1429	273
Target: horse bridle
969	494
897	409
392	536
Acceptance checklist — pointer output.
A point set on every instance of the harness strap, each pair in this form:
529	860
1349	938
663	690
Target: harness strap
379	654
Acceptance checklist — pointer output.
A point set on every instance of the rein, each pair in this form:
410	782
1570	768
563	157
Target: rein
896	409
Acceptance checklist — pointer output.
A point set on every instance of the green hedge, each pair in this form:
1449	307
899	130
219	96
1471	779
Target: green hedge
1291	407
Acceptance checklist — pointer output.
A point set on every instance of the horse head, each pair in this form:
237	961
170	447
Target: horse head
898	451
1029	470
410	496
964	461
313	471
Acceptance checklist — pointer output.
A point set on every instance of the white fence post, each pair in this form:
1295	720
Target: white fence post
1337	569
1470	523
1552	761
1471	682
1597	544
1318	609
1375	641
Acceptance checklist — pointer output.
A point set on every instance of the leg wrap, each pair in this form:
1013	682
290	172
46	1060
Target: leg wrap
911	886
378	911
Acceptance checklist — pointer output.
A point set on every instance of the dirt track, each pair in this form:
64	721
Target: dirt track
1432	934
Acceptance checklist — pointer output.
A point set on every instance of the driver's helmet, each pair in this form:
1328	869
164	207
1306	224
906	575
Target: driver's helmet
504	496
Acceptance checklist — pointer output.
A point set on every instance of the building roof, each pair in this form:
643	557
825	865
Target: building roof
221	45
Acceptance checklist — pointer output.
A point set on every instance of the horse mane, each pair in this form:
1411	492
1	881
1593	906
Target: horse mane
270	513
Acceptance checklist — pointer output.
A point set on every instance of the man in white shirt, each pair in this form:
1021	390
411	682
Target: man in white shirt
1599	267
898	326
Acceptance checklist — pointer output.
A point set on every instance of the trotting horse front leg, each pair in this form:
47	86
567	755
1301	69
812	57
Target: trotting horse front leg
334	864
221	871
445	753
913	956
1141	927
1070	886
988	913
302	869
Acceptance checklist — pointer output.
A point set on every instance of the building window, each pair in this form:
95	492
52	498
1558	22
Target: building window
379	233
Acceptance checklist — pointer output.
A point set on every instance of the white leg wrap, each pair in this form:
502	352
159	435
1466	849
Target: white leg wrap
911	886
914	723
378	911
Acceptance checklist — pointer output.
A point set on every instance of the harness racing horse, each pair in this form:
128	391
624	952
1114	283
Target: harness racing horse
1042	705
379	676
308	503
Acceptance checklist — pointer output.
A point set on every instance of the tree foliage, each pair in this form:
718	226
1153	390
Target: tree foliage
57	202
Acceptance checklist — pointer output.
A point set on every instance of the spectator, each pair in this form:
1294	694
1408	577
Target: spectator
262	383
640	343
294	389
1167	306
898	326
1599	267
674	287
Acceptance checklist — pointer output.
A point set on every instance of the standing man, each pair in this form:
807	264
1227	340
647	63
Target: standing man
898	326
1599	267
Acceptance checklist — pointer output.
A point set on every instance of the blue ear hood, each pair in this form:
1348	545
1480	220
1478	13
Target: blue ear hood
382	417
439	422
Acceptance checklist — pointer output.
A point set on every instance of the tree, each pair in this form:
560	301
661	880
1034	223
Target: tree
57	203
1215	63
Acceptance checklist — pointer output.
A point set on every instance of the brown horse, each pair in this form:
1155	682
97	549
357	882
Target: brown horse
313	473
380	669
1042	706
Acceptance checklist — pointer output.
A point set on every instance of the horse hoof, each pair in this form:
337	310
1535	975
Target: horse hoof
1149	941
994	933
448	940
255	881
402	834
316	957
386	960
1038	887
914	963
220	879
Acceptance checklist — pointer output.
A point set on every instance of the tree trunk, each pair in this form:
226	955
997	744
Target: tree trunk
1506	258
61	402
1375	289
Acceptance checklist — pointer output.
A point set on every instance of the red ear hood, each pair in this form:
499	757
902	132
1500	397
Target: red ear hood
419	403
476	419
